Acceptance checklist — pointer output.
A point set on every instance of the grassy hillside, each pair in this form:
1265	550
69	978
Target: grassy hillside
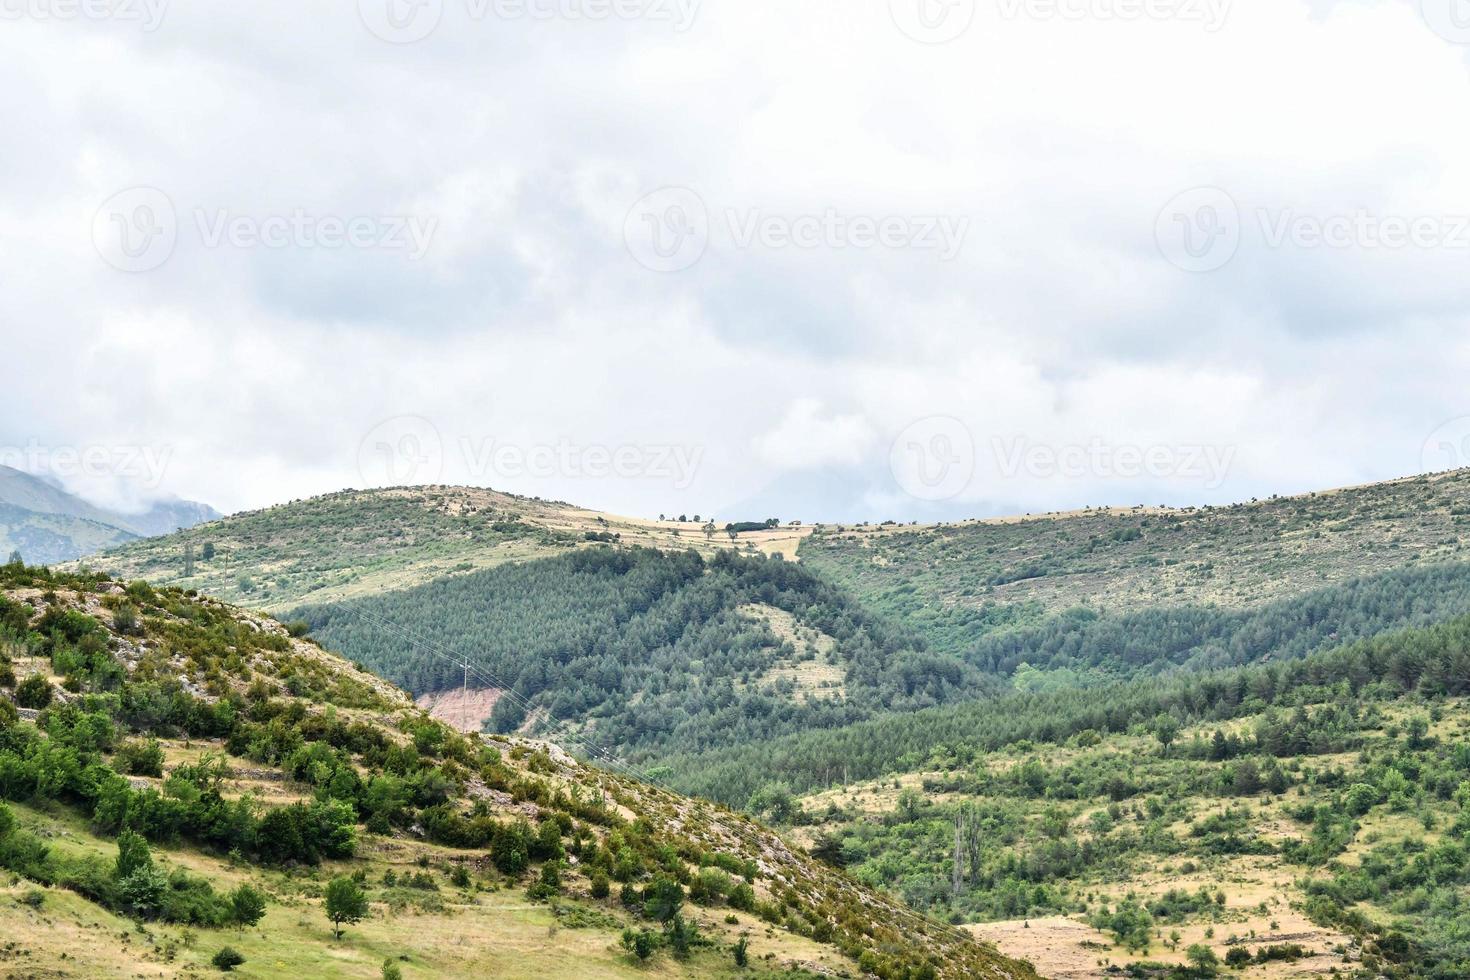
1334	789
958	581
161	752
363	542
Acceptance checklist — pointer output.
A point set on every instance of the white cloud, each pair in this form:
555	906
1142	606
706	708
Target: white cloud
808	437
527	320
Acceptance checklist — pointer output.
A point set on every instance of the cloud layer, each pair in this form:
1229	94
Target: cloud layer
850	260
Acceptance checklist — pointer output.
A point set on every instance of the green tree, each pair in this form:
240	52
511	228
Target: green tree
681	937
1359	799
132	854
1166	730
663	898
1203	958
742	952
247	905
345	904
773	800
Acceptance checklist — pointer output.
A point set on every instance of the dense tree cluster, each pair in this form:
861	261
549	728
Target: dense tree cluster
1088	643
655	650
1434	660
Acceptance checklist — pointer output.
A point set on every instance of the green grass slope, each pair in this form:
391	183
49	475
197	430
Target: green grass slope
1322	803
959	581
364	542
160	752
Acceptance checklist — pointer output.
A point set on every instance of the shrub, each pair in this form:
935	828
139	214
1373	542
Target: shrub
227	959
139	758
33	692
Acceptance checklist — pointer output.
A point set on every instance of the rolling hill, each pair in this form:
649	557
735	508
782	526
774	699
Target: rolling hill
634	633
1047	689
181	776
364	542
957	582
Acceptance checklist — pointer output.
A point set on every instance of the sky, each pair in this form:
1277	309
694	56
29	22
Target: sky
827	260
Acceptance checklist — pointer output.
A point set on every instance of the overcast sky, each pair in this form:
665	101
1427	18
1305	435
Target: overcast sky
828	259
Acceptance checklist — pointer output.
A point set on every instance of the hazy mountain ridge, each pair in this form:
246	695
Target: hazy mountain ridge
48	525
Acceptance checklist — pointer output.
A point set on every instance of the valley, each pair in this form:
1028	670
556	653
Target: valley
1127	742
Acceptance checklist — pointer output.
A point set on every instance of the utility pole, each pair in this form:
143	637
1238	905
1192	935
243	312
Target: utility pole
464	695
957	877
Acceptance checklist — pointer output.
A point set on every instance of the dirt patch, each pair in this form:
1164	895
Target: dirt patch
1064	949
464	711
